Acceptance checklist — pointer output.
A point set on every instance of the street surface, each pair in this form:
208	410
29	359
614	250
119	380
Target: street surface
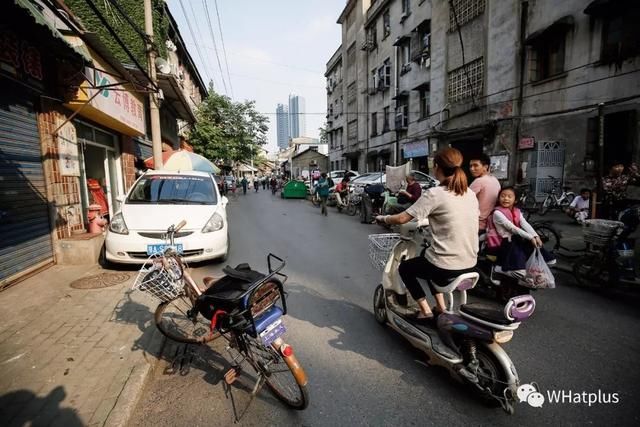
363	374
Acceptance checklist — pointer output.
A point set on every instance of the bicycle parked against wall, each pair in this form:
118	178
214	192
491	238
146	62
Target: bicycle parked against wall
527	200
245	307
557	199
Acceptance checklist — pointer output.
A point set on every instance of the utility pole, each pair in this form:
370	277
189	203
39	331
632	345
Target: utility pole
154	111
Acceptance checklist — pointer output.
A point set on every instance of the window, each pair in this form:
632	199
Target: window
351	94
402	115
331	109
351	59
374	81
374	124
371	39
405	57
546	57
465	11
621	36
386	24
421	43
466	81
385	126
406	8
424	103
384	75
352	132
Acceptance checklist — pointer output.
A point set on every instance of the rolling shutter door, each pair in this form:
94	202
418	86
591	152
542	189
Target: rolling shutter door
25	233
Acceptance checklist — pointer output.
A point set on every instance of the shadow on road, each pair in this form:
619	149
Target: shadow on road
38	411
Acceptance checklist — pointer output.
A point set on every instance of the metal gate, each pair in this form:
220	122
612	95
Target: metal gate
545	162
25	233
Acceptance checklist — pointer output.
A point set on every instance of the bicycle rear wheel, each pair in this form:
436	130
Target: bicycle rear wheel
278	375
549	236
179	321
586	270
546	205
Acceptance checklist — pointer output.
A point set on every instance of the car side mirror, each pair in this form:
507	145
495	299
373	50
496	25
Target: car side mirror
121	198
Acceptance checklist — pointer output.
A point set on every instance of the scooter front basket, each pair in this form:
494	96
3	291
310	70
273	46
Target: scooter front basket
380	246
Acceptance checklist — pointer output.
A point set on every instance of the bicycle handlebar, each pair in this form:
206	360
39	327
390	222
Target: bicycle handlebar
179	225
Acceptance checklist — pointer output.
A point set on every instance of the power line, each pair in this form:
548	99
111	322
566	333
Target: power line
199	33
193	37
215	46
224	49
277	82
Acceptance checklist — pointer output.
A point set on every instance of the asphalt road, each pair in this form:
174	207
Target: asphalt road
363	374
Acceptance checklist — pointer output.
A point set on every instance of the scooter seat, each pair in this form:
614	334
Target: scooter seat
486	312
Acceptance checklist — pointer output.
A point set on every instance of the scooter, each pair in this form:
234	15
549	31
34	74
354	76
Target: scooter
466	339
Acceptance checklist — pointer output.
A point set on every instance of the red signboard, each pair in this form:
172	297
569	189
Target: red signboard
527	142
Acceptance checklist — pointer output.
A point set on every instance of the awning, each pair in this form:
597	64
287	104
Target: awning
351	154
58	38
402	39
608	7
422	86
562	24
401	94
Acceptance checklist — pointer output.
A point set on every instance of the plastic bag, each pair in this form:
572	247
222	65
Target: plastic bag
538	274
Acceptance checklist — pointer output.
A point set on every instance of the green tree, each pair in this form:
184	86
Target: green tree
228	131
323	134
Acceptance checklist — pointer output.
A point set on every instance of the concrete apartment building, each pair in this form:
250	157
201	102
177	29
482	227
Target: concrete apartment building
282	126
518	80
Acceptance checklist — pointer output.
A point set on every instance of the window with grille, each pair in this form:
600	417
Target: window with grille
386	24
351	57
466	81
465	11
424	103
385	126
546	57
351	94
352	131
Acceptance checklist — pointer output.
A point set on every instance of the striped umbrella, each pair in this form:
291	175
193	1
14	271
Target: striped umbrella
183	160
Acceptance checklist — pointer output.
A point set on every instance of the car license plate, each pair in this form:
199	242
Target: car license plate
158	249
272	332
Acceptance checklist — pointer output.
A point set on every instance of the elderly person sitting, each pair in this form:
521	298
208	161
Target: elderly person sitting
406	197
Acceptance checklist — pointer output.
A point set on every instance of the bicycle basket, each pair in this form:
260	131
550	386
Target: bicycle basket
380	246
600	232
161	280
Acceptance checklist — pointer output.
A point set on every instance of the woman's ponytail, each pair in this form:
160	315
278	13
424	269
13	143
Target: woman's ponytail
450	161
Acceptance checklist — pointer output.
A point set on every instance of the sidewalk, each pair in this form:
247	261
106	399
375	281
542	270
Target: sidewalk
74	357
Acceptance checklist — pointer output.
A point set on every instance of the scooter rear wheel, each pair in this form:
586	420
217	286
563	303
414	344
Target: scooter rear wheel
379	306
490	376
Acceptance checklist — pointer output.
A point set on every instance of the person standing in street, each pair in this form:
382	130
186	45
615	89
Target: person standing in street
256	184
486	187
322	187
244	184
264	182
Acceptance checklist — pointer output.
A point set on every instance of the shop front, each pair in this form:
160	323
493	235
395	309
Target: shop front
35	64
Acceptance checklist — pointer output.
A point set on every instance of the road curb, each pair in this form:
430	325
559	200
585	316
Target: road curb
132	390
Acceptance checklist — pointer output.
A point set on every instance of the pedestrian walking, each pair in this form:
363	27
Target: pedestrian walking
244	184
256	184
264	183
322	187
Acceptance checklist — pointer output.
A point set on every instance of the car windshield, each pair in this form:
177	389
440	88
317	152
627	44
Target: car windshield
173	190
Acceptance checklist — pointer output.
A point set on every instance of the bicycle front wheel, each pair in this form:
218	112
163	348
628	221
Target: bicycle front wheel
278	374
179	321
546	205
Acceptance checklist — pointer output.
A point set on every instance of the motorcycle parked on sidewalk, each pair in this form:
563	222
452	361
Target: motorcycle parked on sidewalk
466	339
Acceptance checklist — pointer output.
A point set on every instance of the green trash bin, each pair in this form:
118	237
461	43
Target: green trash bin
294	190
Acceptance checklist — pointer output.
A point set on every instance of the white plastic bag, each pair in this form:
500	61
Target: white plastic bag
538	274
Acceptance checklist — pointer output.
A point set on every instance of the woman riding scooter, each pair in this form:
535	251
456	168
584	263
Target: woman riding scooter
452	211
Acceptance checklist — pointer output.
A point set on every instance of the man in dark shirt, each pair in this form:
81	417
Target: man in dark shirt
406	197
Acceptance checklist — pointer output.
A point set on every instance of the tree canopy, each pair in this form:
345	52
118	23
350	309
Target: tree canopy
227	130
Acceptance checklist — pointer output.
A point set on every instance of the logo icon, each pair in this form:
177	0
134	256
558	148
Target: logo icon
529	393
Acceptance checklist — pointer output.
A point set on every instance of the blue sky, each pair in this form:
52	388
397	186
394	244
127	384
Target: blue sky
274	48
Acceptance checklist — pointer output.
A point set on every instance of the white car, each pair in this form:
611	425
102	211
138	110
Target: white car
159	199
337	175
425	181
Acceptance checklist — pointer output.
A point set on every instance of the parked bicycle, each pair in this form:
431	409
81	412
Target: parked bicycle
527	200
556	199
609	259
245	307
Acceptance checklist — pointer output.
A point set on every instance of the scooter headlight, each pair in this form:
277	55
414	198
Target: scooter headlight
502	337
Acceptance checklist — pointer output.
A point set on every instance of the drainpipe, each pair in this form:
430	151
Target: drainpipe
523	32
396	79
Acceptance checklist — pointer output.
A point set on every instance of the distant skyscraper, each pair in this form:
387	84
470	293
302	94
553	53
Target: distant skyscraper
296	116
282	123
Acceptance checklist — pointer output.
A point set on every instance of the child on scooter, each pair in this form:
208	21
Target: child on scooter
516	239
